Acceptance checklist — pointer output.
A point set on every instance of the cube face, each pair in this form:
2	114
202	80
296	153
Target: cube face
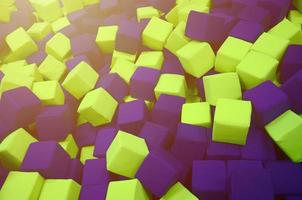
52	69
49	92
285	29
271	45
125	69
152	59
178	192
291	63
15	182
171	84
39	30
87	154
230	54
232	121
247	30
106	38
146	13
225	85
177	38
58	46
198	114
256	68
197	58
154	39
126	149
80	80
48	11
285	131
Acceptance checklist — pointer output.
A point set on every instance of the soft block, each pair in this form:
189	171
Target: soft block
146	13
71	6
93	192
52	69
70	146
177	38
171	84
47	10
151	59
39	30
85	134
198	114
197	58
247	30
285	131
124	68
15	80
221	151
80	80
155	135
232	121
156	33
125	149
229	55
178	192
106	37
291	62
91	110
285	29
95	173
87	154
256	68
59	46
104	138
224	85
49	92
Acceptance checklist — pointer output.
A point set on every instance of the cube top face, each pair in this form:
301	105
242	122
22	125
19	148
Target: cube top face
145	74
171	84
235	47
178	192
247	30
50	92
106	33
151	59
233	112
285	29
59	46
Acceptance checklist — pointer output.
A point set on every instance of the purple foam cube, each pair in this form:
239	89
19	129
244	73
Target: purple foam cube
85	135
293	197
36	57
191	138
132	116
3	175
171	64
286	177
158	172
104	138
93	192
155	135
47	158
236	165
19	107
258	146
167	111
95	173
221	151
291	62
115	85
221	3
75	171
209	179
268	102
251	184
5	130
247	30
256	14
55	123
143	82
75	61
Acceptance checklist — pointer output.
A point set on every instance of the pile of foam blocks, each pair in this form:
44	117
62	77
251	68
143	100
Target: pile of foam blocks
150	99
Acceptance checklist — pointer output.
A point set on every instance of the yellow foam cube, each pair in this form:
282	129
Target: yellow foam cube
90	2
22	185
20	43
32	70
125	149
70	146
285	29
295	17
87	154
298	4
122	55
151	59
197	58
146	13
80	80
124	68
177	38
58	46
49	10
156	33
72	5
39	30
106	37
178	192
98	107
198	114
172	15
15	80
81	120
126	190
59	24
172	84
271	45
49	92
60	189
14	147
5	13
13	66
52	69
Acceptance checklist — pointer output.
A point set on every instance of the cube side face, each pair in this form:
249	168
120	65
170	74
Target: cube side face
196	114
230	134
52	69
106	38
58	46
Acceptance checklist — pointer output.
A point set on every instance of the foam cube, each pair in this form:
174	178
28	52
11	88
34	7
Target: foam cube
106	37
127	190
70	146
61	189
285	131
90	107
256	68
87	154
236	165
95	173
247	30
159	171
47	10
295	17
49	92
177	38
197	58
122	55
71	6
15	80
5	15
172	84
268	101
60	24
285	29
52	69
93	192
232	121
20	43
229	55
15	187
103	140
225	85
271	45
85	134
291	62
11	158
80	80
143	82
58	46
152	37
178	192
209	179
75	170
47	158
198	114
155	135
146	13
124	149
39	30
151	59
125	69
222	151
